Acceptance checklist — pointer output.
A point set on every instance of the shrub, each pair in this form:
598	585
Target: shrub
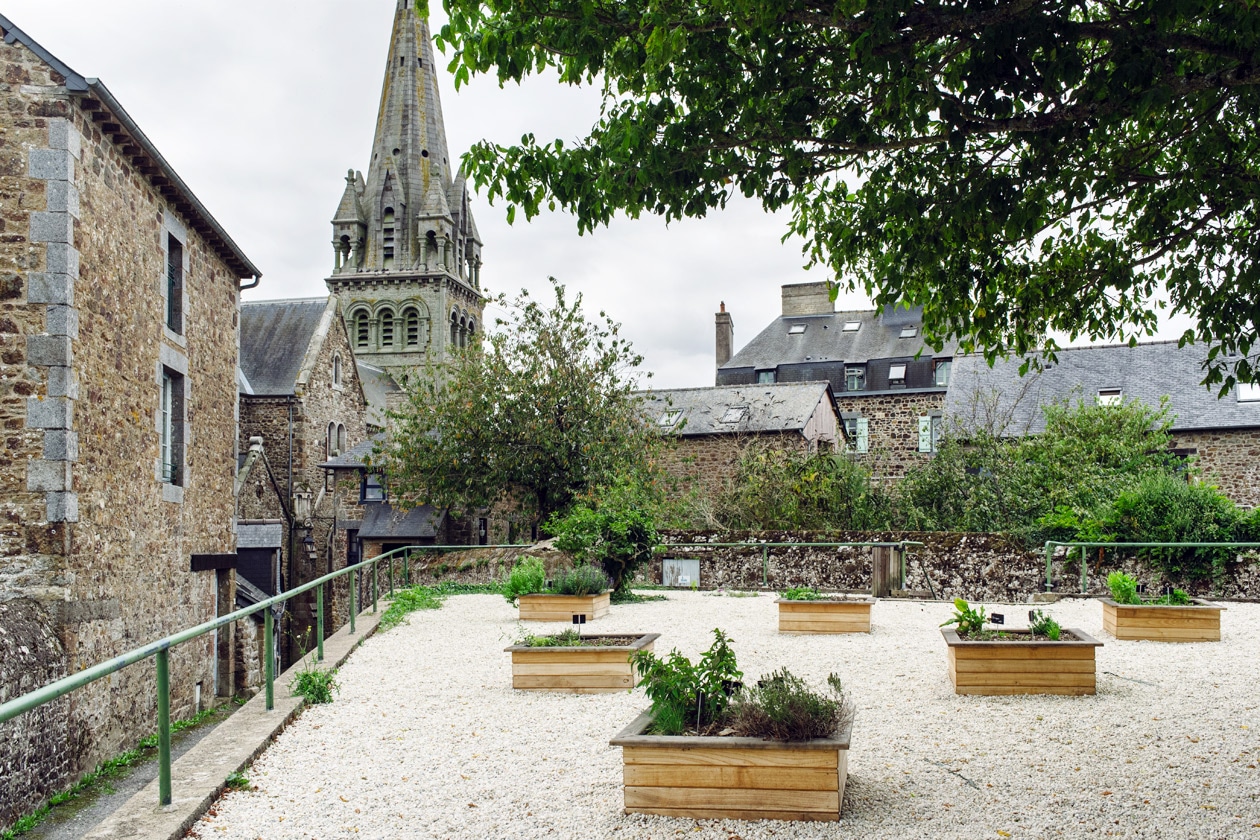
615	530
527	577
582	579
801	593
686	696
1123	588
783	708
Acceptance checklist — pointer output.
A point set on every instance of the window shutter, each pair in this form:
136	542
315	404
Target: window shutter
863	434
925	434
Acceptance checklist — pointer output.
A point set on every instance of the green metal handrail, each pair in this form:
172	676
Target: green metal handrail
1052	544
766	546
160	651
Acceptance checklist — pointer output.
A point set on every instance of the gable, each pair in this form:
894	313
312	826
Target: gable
276	337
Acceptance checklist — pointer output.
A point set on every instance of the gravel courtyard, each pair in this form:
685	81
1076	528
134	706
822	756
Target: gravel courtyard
427	739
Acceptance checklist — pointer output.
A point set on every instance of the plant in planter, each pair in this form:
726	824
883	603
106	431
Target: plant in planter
576	663
804	609
1044	659
582	590
1174	617
710	747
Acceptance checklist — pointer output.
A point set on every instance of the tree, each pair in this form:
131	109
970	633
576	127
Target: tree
1014	166
540	413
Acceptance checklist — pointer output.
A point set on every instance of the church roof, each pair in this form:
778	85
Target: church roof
275	338
741	409
377	386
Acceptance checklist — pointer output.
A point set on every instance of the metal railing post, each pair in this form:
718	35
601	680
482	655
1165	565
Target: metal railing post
765	565
407	570
354	607
319	620
269	668
391	577
1049	561
1084	570
163	662
376	575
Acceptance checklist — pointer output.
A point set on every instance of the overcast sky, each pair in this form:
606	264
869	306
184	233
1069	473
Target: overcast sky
262	106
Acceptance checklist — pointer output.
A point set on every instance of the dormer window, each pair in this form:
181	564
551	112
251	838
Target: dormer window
897	376
854	377
670	417
909	332
765	377
734	414
851	326
796	329
1110	396
941	372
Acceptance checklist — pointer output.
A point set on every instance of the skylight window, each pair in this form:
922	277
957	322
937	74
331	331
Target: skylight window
896	375
670	417
1110	396
852	326
909	332
734	414
1249	393
796	329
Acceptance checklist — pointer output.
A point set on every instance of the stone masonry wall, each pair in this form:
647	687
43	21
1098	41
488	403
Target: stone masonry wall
978	567
708	464
893	442
88	530
1230	459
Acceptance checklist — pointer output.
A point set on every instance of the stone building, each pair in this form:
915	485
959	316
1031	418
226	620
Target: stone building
407	255
712	427
1221	433
300	393
889	386
118	355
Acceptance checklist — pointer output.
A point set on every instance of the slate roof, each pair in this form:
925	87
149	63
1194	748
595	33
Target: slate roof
782	407
377	385
269	535
275	335
824	339
1146	372
352	458
382	522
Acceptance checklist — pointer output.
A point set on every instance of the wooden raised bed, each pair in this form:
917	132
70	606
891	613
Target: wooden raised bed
563	607
588	669
711	777
827	615
1018	667
1197	622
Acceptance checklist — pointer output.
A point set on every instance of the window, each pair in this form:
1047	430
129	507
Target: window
852	326
174	285
857	430
734	414
929	433
387	237
796	329
341	438
909	332
1110	396
411	323
855	378
361	335
897	376
372	489
765	377
670	417
1249	393
171	428
387	328
454	329
336	372
942	372
330	440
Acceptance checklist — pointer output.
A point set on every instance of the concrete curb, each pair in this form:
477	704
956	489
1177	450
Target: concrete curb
197	778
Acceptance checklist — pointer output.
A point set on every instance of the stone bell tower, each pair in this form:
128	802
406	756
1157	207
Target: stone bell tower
407	255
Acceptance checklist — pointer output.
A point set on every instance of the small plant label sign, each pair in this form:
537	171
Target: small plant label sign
997	618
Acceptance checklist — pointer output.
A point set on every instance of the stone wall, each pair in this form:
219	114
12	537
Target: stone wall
979	567
893	442
89	530
1229	458
708	464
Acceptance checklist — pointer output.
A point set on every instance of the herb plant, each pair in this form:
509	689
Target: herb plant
686	696
582	579
1123	588
969	619
782	707
526	578
1176	598
802	593
1043	625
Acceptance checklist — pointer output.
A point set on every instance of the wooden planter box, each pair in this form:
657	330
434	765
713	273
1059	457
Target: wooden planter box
1197	622
563	607
577	670
850	615
732	778
1006	667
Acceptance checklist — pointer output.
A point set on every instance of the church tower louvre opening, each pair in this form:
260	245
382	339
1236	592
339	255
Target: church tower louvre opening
406	252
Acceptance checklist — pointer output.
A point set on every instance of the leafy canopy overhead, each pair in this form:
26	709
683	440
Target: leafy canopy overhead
1014	166
542	412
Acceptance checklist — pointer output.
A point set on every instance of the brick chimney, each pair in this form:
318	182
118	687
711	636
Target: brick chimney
725	335
807	299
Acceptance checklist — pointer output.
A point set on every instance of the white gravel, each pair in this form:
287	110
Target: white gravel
427	739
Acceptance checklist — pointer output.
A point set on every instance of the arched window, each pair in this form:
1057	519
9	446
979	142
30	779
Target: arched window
454	329
361	336
387	328
341	438
387	236
463	332
336	369
330	442
411	320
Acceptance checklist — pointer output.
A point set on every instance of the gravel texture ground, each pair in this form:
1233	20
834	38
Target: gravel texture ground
427	739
